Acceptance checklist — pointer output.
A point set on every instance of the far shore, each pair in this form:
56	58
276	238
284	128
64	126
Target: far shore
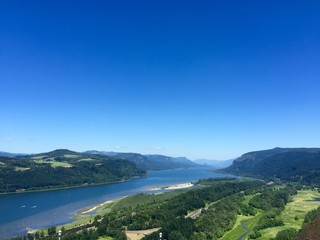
20	191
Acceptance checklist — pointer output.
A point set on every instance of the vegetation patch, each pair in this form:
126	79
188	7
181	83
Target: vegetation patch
54	163
71	155
38	157
85	159
294	213
248	221
296	210
144	198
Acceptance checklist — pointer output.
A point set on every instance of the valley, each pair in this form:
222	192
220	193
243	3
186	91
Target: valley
263	205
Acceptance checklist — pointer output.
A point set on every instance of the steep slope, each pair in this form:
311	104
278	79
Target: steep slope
297	164
311	231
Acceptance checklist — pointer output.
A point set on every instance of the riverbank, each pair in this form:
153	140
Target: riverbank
173	187
86	215
94	208
88	210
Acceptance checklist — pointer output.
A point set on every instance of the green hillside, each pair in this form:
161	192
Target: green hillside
62	168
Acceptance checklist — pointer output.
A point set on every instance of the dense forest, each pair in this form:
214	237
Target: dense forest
62	168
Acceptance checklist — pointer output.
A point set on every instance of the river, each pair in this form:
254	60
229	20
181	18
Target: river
19	212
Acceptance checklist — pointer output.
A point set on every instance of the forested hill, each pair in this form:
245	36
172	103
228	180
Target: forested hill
62	168
294	164
150	162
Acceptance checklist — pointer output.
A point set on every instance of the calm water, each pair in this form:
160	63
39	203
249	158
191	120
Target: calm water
18	212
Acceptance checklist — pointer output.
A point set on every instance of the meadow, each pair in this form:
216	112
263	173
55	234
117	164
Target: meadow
292	216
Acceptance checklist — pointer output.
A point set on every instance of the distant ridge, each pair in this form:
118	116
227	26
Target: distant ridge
150	161
8	154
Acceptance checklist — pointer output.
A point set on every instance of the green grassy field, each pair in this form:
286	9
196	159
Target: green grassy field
292	216
38	157
85	159
71	156
237	230
54	163
299	207
105	238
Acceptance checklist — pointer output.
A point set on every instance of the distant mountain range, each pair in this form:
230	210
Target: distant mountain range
293	164
7	154
150	162
144	162
214	163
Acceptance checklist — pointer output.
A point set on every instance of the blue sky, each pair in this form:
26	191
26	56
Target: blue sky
202	79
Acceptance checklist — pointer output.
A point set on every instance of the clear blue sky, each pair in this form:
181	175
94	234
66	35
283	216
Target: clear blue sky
202	79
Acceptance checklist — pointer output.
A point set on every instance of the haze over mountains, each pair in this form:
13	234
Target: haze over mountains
214	163
8	154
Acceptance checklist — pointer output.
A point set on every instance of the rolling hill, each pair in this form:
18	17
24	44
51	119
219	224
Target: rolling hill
62	168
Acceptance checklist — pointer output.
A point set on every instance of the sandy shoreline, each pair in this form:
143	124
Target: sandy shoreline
173	187
91	209
170	187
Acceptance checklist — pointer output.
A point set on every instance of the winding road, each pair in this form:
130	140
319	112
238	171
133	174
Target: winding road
245	228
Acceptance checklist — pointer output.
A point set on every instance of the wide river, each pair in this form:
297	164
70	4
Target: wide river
19	212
